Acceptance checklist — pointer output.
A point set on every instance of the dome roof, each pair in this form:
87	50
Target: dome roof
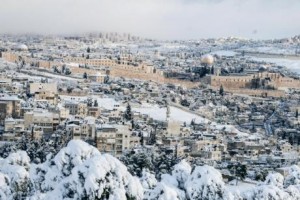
21	47
207	59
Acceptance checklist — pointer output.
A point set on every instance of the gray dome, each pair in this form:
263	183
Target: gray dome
21	47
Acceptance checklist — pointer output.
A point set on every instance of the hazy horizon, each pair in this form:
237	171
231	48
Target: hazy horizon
167	19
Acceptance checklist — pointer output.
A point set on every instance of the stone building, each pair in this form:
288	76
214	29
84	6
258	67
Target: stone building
10	106
115	139
46	120
43	87
270	80
77	108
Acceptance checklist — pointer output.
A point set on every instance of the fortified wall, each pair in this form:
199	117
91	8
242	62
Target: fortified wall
275	80
258	93
142	71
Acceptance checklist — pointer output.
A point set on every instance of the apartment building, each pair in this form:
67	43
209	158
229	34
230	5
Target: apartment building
99	78
75	108
10	106
48	121
114	139
14	125
49	96
45	87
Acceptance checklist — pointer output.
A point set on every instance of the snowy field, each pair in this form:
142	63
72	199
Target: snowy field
176	114
104	102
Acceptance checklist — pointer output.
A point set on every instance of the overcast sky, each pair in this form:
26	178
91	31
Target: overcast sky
161	19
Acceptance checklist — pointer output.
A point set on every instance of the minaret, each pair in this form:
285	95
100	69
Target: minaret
168	113
168	118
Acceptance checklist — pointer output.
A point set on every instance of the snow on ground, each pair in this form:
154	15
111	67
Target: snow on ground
104	102
55	76
154	111
291	64
241	187
224	53
230	128
269	49
176	114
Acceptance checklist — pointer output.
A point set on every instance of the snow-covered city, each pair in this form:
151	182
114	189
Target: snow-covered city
149	108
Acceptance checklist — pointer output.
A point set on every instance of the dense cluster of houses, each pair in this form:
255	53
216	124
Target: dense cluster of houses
118	115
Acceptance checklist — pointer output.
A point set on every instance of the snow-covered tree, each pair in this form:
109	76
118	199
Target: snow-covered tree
156	162
181	172
293	177
4	186
205	183
166	189
293	192
79	171
148	180
274	179
37	150
137	162
272	188
14	176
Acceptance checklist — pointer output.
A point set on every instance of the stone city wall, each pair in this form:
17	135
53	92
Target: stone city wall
277	80
142	72
257	93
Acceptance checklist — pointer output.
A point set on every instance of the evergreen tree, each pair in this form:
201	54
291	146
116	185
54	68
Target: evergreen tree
156	162
95	103
142	139
185	103
239	170
89	102
297	114
67	71
221	91
193	124
85	75
55	69
88	50
106	79
69	89
63	69
128	113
